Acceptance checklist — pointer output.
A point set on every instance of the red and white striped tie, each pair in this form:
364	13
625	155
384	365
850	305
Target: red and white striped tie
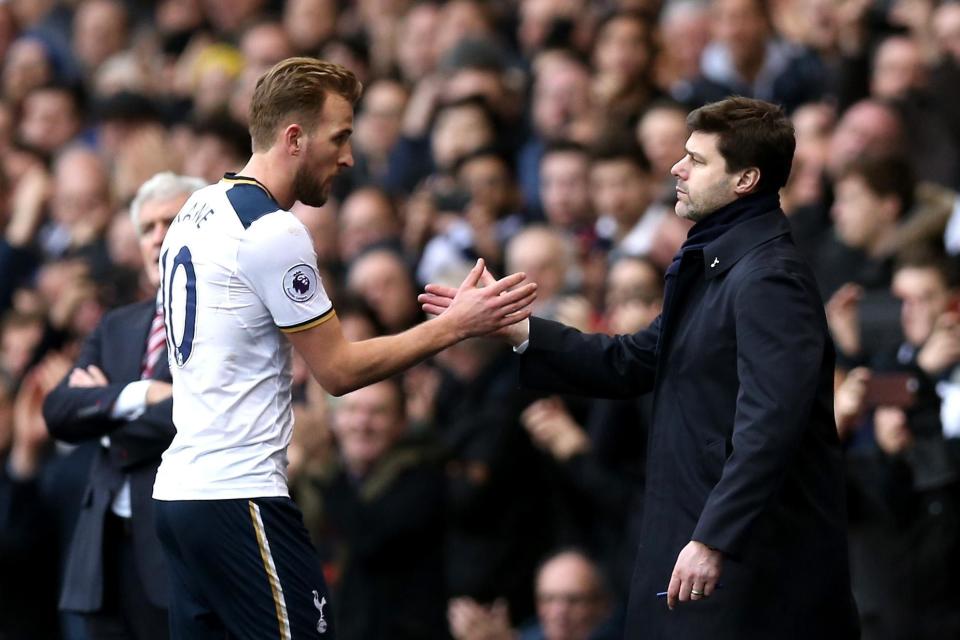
155	344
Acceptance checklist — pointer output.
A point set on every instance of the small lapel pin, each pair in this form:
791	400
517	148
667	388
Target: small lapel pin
715	262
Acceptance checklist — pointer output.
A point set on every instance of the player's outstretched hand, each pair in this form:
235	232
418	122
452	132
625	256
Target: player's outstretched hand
481	310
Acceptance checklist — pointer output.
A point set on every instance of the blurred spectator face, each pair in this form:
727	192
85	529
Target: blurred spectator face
8	29
21	336
366	218
417	41
227	16
565	188
619	188
367	423
741	26
121	72
570	601
81	190
29	12
819	23
461	20
26	66
155	218
925	296
380	118
538	17
561	95
489	182
357	326
321	223
684	34
6	412
309	23
661	133
860	216
123	243
209	158
178	16
50	119
897	68
813	124
867	127
634	296
458	131
946	28
263	46
622	48
542	253
384	282
472	81
99	31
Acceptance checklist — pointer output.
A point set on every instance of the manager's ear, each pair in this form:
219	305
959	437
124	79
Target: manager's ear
748	181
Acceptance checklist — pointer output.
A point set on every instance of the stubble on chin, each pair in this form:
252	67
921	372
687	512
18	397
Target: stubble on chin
308	190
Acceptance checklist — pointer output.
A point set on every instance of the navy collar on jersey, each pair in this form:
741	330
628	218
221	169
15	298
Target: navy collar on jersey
238	179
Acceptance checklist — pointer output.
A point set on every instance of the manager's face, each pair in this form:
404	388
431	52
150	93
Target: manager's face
703	183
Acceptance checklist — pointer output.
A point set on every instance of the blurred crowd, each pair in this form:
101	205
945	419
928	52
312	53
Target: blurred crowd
539	135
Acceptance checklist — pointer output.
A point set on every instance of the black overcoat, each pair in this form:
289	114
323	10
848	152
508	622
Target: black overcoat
743	453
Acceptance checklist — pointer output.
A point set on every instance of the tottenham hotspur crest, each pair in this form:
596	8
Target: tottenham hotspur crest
320	603
300	282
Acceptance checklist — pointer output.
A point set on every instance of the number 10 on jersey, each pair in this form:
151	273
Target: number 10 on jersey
178	292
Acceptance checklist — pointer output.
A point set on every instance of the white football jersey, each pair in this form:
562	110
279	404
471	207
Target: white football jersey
237	271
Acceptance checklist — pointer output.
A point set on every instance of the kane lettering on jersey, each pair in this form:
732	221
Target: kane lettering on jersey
237	271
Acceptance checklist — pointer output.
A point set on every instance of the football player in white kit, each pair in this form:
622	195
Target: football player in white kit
238	272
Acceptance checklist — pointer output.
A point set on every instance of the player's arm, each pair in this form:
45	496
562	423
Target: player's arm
342	366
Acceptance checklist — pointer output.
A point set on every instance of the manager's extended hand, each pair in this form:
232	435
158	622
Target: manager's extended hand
696	573
482	310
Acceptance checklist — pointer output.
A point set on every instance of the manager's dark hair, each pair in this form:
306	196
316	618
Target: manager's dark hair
752	133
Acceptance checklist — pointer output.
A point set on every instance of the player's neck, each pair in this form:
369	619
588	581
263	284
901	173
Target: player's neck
273	175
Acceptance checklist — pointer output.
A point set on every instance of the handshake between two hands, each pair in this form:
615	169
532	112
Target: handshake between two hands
483	305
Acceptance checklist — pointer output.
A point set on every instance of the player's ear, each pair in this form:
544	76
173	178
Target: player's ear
291	138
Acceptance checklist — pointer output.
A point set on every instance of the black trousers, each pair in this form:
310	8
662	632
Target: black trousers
127	613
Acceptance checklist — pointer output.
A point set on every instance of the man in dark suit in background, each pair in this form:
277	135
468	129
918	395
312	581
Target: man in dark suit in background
744	475
119	393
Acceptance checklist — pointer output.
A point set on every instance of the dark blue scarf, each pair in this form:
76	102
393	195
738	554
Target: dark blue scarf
703	233
722	220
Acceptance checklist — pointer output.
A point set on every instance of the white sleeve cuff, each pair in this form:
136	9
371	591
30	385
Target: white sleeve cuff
132	401
520	348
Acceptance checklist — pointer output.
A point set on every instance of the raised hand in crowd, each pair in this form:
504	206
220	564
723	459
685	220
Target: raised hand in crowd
848	401
470	620
312	441
420	385
941	351
30	435
421	106
29	200
552	428
843	318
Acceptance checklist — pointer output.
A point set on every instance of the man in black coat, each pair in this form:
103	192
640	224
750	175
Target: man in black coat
119	394
744	526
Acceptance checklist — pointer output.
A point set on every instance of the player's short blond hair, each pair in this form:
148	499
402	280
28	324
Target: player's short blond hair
296	87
